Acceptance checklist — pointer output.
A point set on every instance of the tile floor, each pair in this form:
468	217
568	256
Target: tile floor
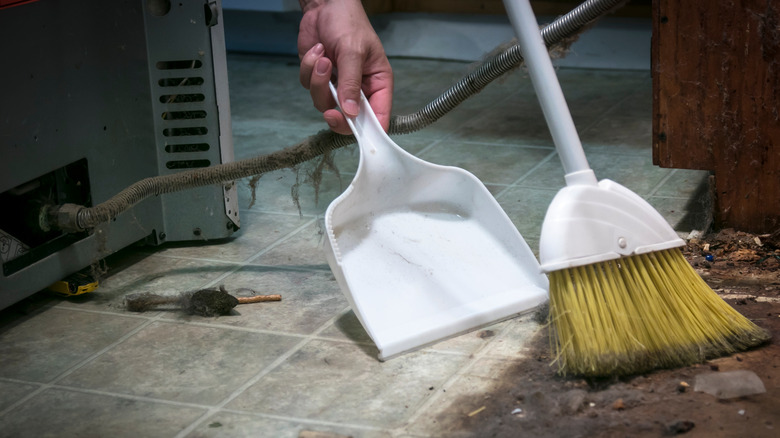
86	367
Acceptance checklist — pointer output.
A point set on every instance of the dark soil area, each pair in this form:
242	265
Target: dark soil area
533	401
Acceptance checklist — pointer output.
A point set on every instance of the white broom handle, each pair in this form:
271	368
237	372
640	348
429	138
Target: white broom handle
547	88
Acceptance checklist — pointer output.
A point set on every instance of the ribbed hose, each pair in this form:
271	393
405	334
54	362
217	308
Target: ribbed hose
562	28
314	146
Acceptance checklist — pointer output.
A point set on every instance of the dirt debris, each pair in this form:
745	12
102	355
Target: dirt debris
732	257
533	399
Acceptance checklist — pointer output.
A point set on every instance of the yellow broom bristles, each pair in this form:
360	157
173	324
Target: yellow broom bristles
639	313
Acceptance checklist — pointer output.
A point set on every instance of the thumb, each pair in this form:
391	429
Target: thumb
350	78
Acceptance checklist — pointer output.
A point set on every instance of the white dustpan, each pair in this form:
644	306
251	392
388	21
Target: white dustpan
424	252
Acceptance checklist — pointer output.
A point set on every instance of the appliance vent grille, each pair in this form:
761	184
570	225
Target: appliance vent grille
184	113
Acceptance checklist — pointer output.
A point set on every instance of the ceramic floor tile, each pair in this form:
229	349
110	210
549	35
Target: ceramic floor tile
153	274
619	134
511	342
180	362
524	125
301	250
681	214
253	138
41	347
232	425
65	414
490	368
345	160
12	392
330	381
258	231
635	172
683	183
526	208
471	342
450	414
334	381
581	84
591	93
348	327
419	82
268	88
492	164
549	175
638	104
274	192
310	298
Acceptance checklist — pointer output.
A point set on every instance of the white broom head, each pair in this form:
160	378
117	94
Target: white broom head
589	223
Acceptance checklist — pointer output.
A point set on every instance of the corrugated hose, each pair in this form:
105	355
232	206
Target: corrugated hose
75	218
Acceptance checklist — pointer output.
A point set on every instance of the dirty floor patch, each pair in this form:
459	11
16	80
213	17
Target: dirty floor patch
534	401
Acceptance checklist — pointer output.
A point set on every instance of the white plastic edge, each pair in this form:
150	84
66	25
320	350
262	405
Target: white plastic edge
587	224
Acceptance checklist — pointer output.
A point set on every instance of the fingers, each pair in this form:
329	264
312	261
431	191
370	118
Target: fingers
336	122
308	61
381	102
350	64
315	74
319	87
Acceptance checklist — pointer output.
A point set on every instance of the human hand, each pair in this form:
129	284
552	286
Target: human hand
338	32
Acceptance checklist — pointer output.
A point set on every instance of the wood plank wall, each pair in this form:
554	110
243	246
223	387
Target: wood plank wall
716	81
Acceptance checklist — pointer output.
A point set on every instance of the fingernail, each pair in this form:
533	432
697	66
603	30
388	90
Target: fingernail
319	49
350	107
321	66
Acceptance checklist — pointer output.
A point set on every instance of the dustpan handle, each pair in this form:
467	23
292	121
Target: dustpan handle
547	88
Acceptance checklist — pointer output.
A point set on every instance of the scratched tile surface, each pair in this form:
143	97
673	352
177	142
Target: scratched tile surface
87	367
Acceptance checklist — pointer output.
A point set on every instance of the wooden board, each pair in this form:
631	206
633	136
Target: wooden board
716	85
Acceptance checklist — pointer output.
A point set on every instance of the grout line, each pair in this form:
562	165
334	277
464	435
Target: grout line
661	183
247	261
434	399
257	377
304	420
481	353
584	130
271	268
131	397
431	145
52	383
160	316
420	409
268	332
136	315
525	176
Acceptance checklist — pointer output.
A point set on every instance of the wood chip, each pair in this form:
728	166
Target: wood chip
259	299
475	412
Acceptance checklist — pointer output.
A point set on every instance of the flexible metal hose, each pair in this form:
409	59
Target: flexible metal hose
70	217
562	28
